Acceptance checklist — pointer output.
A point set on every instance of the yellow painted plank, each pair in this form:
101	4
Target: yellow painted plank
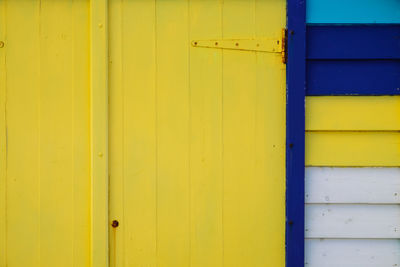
270	137
23	146
139	133
47	133
99	132
116	138
254	134
206	198
56	140
3	136
81	130
239	143
173	186
364	113
353	149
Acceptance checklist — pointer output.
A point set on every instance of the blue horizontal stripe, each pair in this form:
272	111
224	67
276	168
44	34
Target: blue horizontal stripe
353	11
353	77
372	41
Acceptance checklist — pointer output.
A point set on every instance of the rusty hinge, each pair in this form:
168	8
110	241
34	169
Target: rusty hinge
284	46
268	45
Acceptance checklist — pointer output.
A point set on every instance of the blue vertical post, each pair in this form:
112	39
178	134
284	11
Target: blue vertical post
295	132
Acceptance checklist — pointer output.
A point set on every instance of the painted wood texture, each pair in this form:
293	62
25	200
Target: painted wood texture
3	142
365	41
352	185
353	59
295	124
197	135
352	253
45	81
357	149
352	221
353	11
346	207
353	77
352	113
99	132
358	206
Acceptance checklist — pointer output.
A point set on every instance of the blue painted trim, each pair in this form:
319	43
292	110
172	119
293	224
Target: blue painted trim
353	77
366	41
295	131
353	11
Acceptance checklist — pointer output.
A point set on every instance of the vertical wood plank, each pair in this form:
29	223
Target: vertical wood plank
239	147
173	120
206	233
139	133
23	183
99	131
3	137
56	141
46	110
295	139
116	137
270	137
81	131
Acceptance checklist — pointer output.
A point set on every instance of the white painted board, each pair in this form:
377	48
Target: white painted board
352	253
352	221
352	185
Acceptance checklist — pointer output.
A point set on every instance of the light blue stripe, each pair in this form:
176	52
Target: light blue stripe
353	11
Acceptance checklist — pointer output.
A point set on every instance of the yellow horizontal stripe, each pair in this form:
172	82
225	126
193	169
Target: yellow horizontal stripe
352	149
361	113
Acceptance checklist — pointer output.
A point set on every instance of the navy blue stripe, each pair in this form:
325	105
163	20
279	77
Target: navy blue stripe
353	77
370	41
357	59
295	117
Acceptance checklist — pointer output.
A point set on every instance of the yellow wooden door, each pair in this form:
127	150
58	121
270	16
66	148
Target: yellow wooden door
197	135
45	188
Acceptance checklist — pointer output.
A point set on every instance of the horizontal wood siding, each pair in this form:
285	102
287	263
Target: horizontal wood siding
352	252
352	217
353	149
352	178
352	185
355	59
353	11
353	77
352	221
357	113
356	41
352	182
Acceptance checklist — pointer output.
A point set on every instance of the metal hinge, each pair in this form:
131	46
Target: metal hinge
284	46
268	45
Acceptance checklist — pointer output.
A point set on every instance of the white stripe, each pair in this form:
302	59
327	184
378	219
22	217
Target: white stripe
352	221
352	185
352	253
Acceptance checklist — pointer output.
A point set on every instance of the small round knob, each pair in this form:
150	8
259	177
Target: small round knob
115	223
